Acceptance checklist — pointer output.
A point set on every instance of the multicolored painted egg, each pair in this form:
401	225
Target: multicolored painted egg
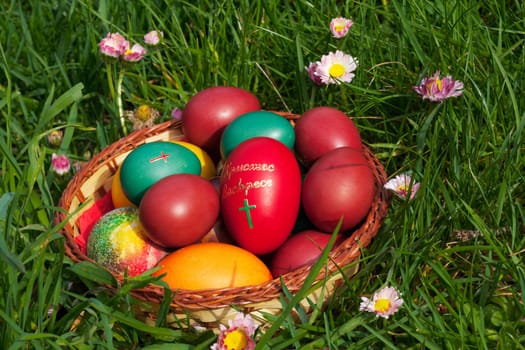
150	162
208	169
253	124
118	242
118	196
212	265
260	193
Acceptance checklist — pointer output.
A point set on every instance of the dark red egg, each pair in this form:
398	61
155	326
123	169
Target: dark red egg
209	111
340	184
260	194
322	129
300	249
179	210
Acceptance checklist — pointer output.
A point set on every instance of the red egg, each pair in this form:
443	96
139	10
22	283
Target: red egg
260	194
340	184
322	129
300	249
209	111
179	210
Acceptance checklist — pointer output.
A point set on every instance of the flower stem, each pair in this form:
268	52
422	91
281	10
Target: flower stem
119	102
109	75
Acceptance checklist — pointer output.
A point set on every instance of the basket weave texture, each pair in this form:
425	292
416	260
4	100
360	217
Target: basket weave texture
94	180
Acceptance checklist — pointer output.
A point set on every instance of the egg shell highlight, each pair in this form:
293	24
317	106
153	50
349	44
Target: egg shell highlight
253	124
260	193
150	162
212	265
118	242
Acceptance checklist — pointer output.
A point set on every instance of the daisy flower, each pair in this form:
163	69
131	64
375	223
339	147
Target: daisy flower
238	336
403	186
312	73
384	303
134	54
153	38
142	117
60	163
176	113
336	67
437	88
113	45
339	26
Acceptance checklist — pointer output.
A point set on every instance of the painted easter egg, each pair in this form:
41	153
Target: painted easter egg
179	210
340	184
150	162
118	242
208	169
209	111
322	129
300	249
212	265
118	196
260	194
257	123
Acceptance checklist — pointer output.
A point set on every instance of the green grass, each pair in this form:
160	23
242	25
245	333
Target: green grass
468	154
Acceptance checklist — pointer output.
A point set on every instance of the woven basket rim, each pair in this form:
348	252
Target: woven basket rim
341	256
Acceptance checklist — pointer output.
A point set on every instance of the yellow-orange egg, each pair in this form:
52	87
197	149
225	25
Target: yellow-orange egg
208	169
117	193
212	265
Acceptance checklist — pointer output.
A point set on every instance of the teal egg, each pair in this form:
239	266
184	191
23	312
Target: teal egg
150	162
256	124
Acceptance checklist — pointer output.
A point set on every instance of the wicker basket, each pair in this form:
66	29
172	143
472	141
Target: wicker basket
211	307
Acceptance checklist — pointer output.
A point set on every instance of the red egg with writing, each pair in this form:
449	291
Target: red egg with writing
260	193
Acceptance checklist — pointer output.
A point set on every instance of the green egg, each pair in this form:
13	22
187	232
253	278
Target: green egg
150	162
255	124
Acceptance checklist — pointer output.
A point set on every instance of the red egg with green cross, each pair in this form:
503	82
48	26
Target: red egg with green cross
260	192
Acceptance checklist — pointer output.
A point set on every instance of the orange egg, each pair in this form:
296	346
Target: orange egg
208	169
212	265
117	193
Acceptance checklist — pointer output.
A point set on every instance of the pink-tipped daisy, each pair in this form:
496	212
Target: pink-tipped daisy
60	163
339	26
134	54
336	67
437	88
384	303
238	336
153	38
403	186
113	45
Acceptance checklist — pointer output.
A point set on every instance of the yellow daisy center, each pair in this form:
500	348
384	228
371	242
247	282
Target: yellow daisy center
235	340
339	27
438	83
382	305
336	70
143	113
